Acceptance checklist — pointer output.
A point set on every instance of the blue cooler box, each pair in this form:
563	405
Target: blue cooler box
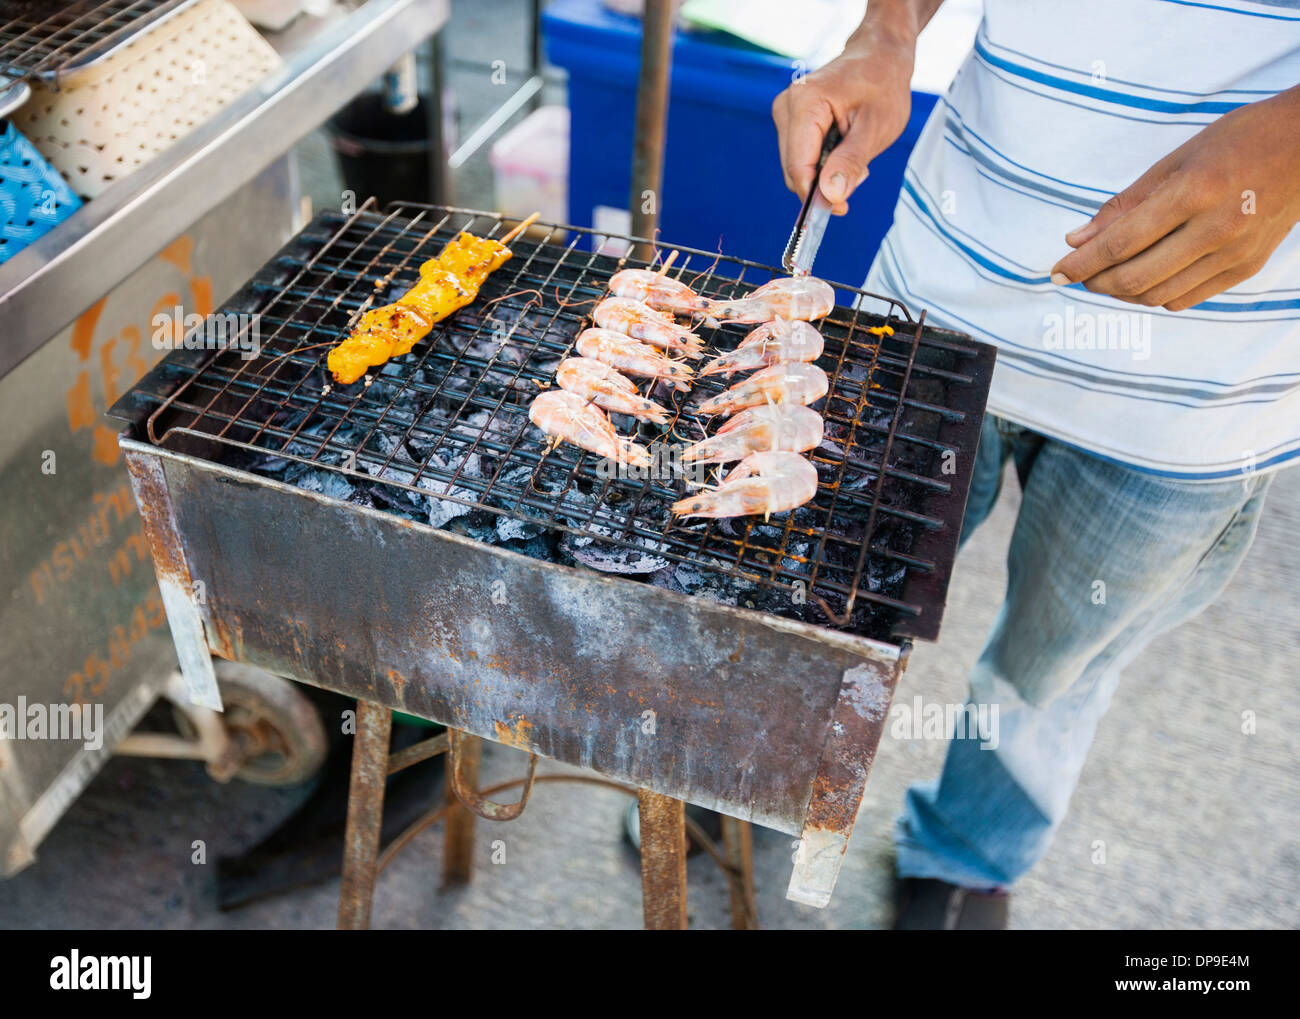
722	174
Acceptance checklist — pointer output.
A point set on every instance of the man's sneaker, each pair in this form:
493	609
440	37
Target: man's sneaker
928	904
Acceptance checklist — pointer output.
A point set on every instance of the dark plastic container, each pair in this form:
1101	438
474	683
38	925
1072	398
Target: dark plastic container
392	156
722	175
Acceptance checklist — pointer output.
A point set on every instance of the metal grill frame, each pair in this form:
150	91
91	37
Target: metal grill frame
763	718
44	48
183	401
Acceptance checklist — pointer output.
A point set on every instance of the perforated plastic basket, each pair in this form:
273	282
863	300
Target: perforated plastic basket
105	119
33	197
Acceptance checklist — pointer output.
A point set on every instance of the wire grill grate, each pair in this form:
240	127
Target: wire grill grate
871	552
40	39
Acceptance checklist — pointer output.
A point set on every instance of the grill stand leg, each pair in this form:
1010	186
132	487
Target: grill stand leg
850	748
737	839
365	814
182	598
663	861
458	838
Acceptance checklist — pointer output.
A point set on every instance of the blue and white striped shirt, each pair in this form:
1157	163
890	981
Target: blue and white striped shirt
1060	105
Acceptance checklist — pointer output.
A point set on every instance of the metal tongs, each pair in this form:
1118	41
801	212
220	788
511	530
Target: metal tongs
806	237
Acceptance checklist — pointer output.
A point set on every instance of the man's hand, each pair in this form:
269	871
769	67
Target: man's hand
866	90
1203	219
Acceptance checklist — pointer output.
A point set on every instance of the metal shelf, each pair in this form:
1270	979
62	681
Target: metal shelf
327	61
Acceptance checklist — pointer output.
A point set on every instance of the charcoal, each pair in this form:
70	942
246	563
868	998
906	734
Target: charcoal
328	483
688	578
452	446
443	511
608	557
510	529
540	547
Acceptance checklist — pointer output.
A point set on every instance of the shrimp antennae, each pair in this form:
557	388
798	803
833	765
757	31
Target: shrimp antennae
709	268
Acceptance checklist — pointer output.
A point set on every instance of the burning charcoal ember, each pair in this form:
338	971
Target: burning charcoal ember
830	447
608	557
395	500
883	575
336	486
443	511
473	525
511	529
687	578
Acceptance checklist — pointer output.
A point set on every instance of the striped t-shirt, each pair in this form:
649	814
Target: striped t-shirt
1060	105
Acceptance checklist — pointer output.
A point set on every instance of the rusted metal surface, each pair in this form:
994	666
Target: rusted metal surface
663	861
471	798
458	836
716	705
847	756
738	840
180	597
365	814
651	120
417	752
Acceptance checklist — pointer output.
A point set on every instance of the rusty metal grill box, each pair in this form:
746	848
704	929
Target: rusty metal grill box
767	708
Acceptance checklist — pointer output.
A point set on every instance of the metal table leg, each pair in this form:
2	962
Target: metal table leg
458	836
663	861
737	838
365	814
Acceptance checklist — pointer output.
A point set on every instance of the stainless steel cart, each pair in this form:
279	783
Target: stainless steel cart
81	620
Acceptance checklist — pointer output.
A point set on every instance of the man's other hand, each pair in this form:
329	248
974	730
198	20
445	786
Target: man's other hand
1203	219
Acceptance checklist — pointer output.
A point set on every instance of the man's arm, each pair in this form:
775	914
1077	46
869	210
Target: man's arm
866	90
1203	219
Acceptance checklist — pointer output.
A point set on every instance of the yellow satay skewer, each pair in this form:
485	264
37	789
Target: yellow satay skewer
447	282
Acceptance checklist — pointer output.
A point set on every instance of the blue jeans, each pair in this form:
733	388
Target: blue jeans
1103	559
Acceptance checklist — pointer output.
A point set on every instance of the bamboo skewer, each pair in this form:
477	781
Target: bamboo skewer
520	228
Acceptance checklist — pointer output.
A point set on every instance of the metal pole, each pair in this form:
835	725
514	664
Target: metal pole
535	59
651	121
458	835
737	838
663	861
365	814
439	178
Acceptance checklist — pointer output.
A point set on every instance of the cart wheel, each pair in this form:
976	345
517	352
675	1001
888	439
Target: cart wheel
279	729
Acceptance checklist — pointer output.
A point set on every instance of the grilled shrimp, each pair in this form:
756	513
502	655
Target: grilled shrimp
633	357
761	483
793	297
781	383
662	293
564	415
773	342
642	322
779	427
596	381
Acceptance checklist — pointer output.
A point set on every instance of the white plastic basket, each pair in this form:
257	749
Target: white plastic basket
103	120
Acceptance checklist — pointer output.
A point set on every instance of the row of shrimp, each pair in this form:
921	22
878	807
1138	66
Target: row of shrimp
769	420
630	337
636	333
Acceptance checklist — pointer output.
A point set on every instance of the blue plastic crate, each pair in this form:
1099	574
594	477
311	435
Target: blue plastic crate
722	176
33	197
